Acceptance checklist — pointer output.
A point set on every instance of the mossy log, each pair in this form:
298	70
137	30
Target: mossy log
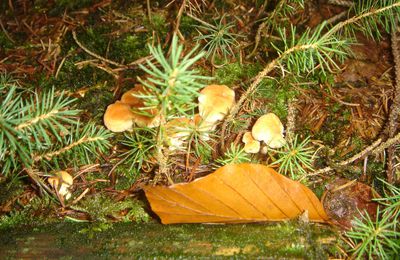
125	240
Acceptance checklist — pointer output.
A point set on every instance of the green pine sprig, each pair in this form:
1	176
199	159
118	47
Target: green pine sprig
80	146
235	154
174	86
375	238
218	38
295	158
141	146
371	17
37	129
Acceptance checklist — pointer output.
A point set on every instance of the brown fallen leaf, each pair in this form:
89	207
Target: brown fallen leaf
345	200
235	193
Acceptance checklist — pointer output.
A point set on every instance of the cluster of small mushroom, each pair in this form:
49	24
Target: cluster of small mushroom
267	128
61	183
215	102
121	115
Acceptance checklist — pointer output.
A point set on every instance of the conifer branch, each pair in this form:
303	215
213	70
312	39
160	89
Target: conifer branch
83	140
371	11
171	88
35	120
322	49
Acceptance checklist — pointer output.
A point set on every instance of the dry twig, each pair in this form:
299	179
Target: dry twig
375	148
392	124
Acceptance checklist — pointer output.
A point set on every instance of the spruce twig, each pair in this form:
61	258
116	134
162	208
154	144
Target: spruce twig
171	89
48	156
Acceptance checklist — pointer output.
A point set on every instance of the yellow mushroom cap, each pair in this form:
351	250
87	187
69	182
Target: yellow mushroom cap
269	128
65	177
142	117
215	101
250	144
53	181
131	96
118	117
66	181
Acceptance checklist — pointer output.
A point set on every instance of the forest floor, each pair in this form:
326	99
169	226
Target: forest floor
92	50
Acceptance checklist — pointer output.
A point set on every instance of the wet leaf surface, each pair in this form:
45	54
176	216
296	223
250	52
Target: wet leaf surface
344	200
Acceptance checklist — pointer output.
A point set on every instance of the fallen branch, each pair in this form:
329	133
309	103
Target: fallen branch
375	148
392	123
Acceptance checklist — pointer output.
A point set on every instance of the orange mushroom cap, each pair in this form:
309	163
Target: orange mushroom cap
62	181
141	116
118	117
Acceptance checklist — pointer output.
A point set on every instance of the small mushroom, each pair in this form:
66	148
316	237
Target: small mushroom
215	101
141	115
250	144
177	132
61	182
131	96
118	117
269	128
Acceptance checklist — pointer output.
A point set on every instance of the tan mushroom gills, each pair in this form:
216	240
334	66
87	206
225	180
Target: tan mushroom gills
118	117
250	144
269	128
215	102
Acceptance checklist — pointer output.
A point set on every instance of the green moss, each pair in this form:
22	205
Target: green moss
187	27
234	73
129	47
158	23
5	42
126	176
277	95
103	208
10	188
152	240
37	212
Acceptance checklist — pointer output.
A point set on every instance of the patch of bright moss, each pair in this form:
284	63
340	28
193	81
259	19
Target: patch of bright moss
158	23
129	47
103	208
235	73
277	95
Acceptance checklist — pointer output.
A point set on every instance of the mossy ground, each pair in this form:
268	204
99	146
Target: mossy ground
70	240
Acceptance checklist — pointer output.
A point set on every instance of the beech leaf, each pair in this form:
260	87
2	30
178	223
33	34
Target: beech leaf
235	193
